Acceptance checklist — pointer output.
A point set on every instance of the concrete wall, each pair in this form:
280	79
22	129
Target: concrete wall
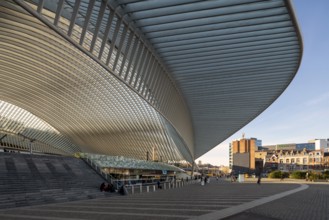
241	162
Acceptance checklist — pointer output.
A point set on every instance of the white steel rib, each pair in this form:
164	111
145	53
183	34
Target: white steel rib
127	77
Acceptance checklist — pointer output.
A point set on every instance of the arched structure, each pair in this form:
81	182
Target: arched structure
127	77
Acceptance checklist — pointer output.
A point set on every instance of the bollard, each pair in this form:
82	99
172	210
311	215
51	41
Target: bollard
140	188
153	188
164	185
147	188
169	186
132	189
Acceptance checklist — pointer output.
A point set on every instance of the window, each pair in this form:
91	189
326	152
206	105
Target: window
287	160
304	160
293	160
281	161
298	160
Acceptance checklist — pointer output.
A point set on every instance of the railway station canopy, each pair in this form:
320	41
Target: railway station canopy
170	79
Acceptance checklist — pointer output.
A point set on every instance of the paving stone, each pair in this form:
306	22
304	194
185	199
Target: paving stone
310	204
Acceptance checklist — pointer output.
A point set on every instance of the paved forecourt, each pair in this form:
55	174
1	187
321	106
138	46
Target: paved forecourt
216	200
310	204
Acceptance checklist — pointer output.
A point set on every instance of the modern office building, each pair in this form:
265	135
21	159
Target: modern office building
142	79
307	146
321	144
291	146
259	143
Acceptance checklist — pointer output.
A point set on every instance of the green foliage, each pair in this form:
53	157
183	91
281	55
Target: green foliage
285	174
277	174
316	176
298	175
313	176
326	174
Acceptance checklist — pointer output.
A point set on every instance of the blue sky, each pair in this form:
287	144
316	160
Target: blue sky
301	113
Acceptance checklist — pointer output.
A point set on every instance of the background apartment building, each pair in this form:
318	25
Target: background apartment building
247	157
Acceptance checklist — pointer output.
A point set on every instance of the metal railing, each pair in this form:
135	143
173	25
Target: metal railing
155	186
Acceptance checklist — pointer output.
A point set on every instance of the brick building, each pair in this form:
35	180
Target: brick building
243	155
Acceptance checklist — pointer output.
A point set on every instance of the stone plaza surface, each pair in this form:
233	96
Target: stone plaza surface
212	201
310	204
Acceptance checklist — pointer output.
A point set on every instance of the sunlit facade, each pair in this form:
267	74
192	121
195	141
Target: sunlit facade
128	77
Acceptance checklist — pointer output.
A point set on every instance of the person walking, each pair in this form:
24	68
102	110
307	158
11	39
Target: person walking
306	177
259	178
259	175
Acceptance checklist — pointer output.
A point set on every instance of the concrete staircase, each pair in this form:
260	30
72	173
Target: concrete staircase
38	179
